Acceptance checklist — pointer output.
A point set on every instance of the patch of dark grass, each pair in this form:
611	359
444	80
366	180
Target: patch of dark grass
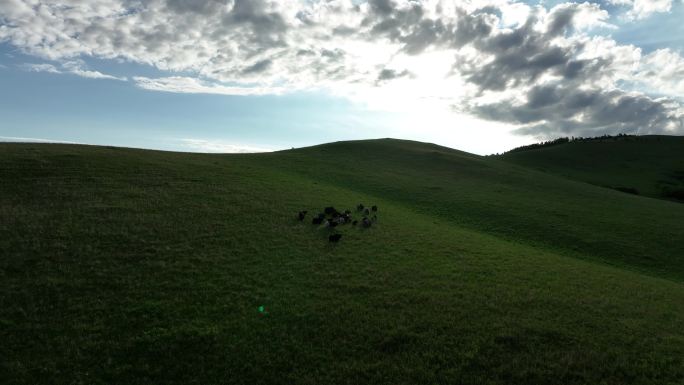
674	193
628	190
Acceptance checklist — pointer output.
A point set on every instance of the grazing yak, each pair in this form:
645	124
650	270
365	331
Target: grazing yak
359	207
366	222
317	220
330	210
366	212
355	223
301	215
334	238
374	208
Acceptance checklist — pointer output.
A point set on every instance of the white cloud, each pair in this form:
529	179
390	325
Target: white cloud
187	85
69	67
662	72
394	54
40	68
31	140
644	8
218	146
94	75
78	67
641	9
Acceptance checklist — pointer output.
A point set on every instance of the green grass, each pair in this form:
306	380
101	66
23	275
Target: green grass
650	164
130	266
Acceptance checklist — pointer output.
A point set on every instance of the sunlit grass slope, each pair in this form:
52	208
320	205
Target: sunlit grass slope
652	165
131	266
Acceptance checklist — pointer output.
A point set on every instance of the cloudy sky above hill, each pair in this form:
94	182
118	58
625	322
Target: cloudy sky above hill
247	75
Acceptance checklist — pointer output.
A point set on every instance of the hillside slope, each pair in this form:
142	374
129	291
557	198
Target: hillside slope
131	266
498	198
651	165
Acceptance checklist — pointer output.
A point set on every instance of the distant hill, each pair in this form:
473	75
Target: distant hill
135	266
652	166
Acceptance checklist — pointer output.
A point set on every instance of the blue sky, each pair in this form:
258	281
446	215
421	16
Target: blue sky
102	111
272	75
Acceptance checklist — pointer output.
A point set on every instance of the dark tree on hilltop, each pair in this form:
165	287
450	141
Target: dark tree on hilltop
563	140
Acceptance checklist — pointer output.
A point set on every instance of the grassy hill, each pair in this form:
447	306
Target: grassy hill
132	266
652	166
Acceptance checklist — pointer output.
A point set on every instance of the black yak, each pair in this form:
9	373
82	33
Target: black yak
355	223
366	223
301	215
317	221
359	207
330	210
334	238
374	208
366	212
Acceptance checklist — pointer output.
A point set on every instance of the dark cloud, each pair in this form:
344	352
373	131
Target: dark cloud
203	7
343	30
306	52
263	25
561	20
408	26
425	34
518	57
334	54
258	67
516	61
382	7
417	32
557	110
390	74
471	27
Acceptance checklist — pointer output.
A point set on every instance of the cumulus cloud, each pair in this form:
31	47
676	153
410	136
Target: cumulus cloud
640	9
536	67
662	72
551	82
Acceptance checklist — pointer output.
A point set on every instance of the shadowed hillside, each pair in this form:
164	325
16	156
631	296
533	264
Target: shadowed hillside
644	165
498	198
132	266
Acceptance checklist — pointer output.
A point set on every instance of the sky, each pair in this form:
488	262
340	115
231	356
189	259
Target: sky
482	76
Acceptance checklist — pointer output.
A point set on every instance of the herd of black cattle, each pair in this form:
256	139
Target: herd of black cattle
331	218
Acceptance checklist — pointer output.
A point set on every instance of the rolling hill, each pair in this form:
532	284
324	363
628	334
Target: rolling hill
646	165
133	266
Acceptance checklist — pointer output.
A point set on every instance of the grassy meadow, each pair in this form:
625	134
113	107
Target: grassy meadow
650	165
123	266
